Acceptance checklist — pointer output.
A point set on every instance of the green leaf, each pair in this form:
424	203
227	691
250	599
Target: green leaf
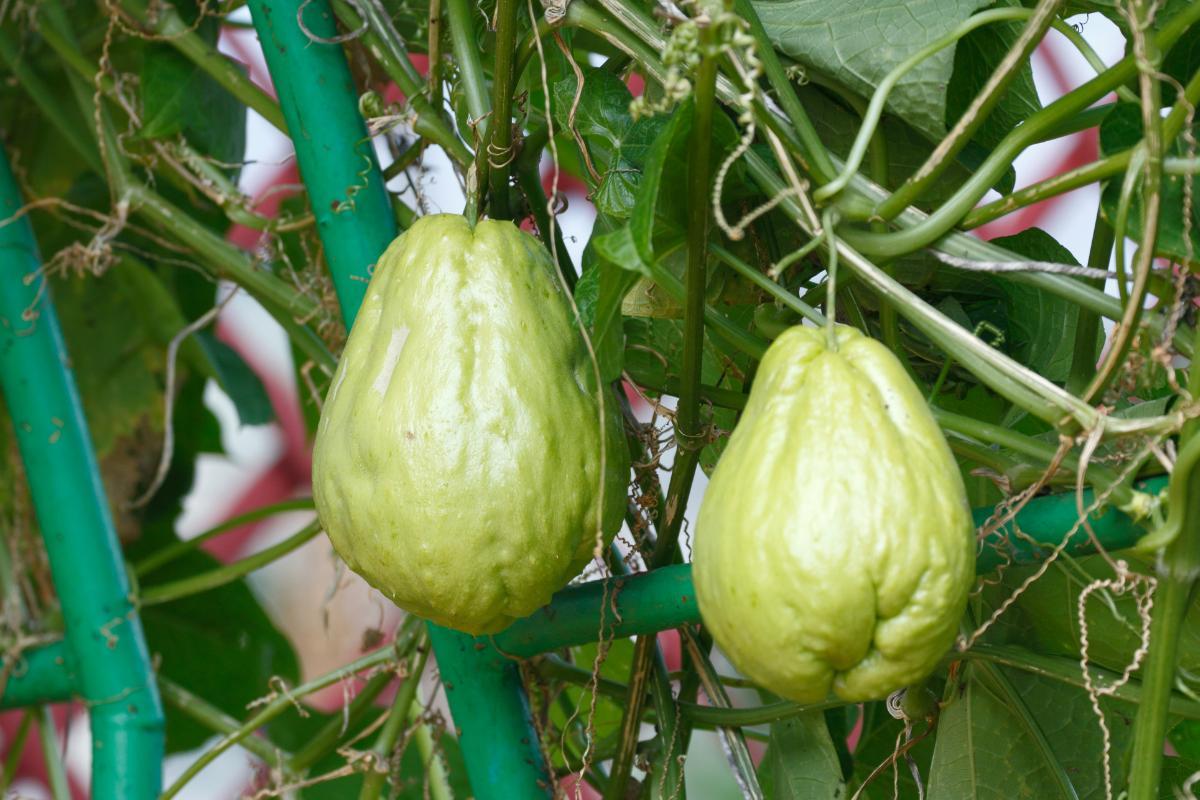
601	115
857	43
179	97
801	762
1065	716
1175	773
1050	610
618	187
599	293
907	148
241	383
986	750
183	636
659	217
1041	326
1122	129
976	57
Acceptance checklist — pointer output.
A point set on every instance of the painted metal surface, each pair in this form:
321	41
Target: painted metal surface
104	637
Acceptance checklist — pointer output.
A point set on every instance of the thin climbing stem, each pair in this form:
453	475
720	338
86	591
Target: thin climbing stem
1178	568
381	38
875	108
16	748
375	780
499	150
976	114
52	755
689	430
166	24
281	700
1087	325
217	721
949	213
465	43
167	554
227	573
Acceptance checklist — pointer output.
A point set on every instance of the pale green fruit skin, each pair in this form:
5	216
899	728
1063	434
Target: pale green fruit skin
834	547
457	462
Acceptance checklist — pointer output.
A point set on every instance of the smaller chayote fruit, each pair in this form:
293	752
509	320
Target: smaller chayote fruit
457	464
834	546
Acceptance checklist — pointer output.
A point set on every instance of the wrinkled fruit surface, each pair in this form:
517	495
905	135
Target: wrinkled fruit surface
834	546
457	463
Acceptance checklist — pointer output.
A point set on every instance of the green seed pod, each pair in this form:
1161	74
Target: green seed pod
458	460
834	546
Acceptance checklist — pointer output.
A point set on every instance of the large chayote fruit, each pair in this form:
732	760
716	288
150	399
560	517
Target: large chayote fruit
834	546
457	463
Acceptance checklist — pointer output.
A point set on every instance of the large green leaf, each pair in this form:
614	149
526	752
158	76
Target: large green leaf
1050	610
239	381
179	97
975	58
1041	326
293	731
1066	718
801	762
857	42
986	749
907	147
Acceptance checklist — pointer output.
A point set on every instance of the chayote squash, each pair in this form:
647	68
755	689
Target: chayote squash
457	462
834	545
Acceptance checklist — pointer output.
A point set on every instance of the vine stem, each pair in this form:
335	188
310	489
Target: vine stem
194	584
385	44
1147	57
947	215
176	549
284	699
1087	325
218	721
170	27
943	155
375	780
690	433
875	109
465	44
1178	568
500	141
56	771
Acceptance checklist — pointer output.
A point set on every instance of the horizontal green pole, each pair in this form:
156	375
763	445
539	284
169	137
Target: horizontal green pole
103	630
665	598
633	604
1045	521
40	675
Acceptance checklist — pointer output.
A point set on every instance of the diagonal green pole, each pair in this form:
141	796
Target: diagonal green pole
316	91
105	645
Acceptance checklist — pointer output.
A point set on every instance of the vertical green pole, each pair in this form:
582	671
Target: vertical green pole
104	634
316	91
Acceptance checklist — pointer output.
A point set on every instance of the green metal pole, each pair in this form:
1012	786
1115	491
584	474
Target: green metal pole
315	89
41	675
664	598
104	633
336	158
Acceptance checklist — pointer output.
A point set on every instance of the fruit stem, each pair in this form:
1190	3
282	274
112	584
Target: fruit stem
827	223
